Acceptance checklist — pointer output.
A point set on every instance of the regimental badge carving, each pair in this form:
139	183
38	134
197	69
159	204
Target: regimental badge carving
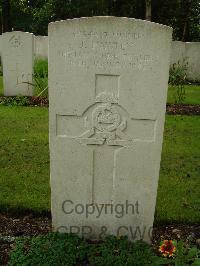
15	41
105	120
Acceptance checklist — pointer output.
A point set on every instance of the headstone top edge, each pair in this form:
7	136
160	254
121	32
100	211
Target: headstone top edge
18	32
124	19
41	36
192	43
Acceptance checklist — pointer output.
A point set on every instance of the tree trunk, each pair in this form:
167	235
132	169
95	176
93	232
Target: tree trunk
187	6
148	10
6	20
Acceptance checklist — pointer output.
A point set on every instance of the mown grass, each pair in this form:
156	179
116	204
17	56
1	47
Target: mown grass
178	194
24	158
192	94
24	164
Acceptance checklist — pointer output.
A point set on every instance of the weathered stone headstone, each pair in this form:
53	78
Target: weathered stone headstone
17	58
41	47
108	87
192	58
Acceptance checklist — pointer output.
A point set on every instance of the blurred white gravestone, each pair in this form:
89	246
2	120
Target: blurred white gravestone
17	59
108	87
41	47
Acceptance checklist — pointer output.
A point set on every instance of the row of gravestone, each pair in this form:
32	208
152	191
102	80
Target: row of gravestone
18	50
107	92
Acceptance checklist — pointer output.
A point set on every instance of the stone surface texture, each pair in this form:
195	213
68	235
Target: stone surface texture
108	87
17	59
192	57
177	52
41	46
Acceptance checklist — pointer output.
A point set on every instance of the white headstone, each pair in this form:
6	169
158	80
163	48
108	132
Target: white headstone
41	46
177	52
17	59
108	86
192	57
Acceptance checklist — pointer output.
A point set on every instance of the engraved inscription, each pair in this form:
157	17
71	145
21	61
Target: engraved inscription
106	59
105	49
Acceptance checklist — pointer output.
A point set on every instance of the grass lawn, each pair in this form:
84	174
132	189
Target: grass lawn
24	158
192	94
24	164
179	188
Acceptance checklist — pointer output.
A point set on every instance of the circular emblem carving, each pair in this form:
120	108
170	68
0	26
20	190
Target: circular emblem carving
15	41
106	118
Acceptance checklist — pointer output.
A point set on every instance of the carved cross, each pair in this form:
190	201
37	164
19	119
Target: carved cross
106	124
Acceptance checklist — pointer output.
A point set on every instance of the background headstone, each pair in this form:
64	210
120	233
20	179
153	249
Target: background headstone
192	57
108	87
187	55
17	59
41	47
177	52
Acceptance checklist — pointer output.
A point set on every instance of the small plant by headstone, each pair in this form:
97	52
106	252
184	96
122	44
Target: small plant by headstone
177	79
40	77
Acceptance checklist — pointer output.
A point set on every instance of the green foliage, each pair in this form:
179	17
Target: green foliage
40	77
34	15
52	249
64	249
67	249
24	163
41	68
192	92
186	255
177	77
119	251
177	73
15	101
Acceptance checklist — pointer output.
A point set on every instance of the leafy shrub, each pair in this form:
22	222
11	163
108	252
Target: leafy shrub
15	101
186	255
41	68
40	77
63	249
177	78
121	252
52	249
